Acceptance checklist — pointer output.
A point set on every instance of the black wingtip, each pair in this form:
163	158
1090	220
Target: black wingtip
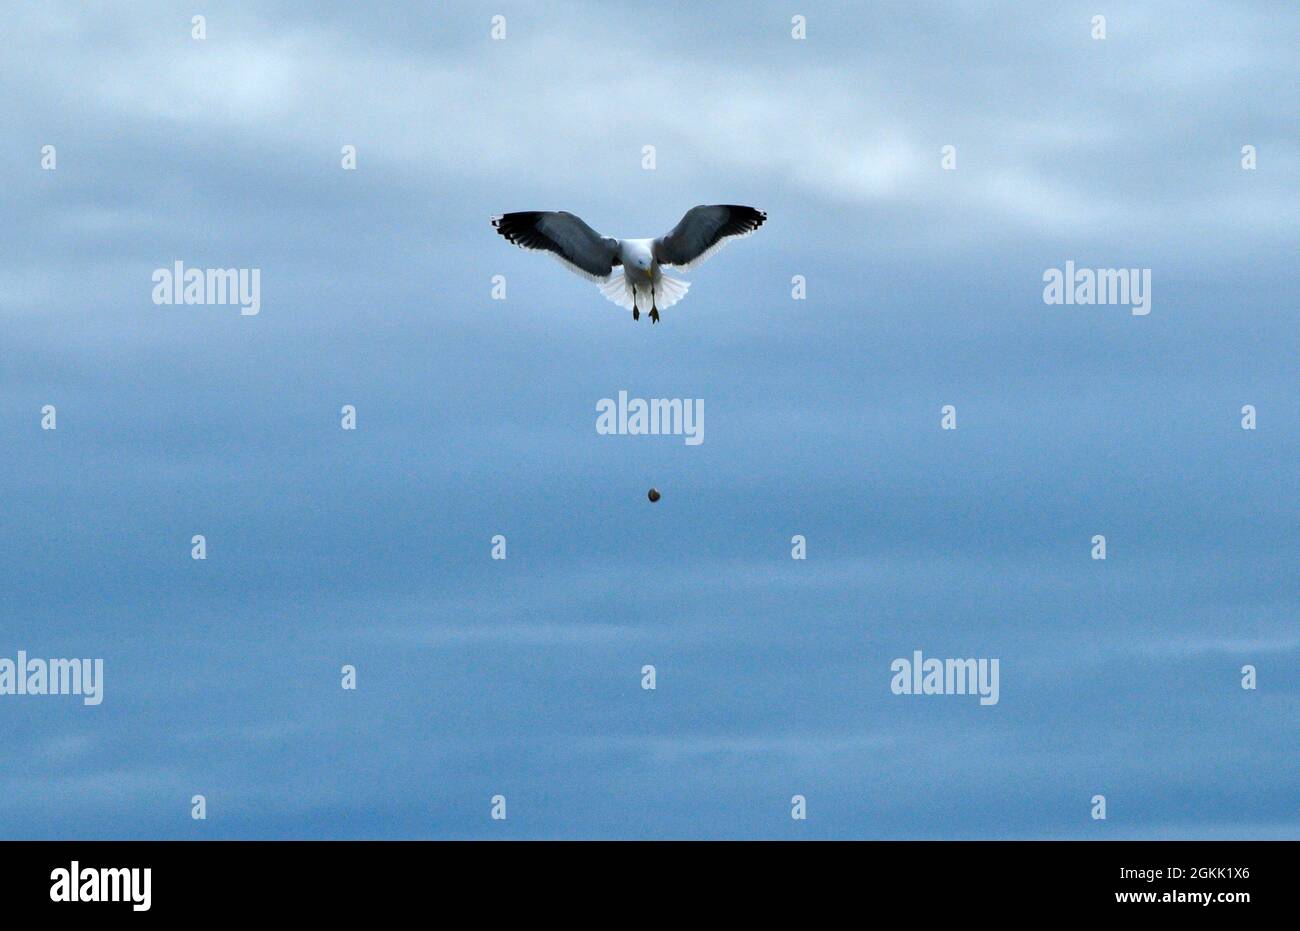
520	228
744	219
747	215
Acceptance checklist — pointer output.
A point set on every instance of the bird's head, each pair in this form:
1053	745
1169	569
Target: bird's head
643	263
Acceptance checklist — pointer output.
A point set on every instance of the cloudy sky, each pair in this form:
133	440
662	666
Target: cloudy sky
476	417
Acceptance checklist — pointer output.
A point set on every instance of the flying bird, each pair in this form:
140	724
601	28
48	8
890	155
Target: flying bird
630	271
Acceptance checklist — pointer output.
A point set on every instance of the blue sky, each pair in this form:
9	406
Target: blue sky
476	417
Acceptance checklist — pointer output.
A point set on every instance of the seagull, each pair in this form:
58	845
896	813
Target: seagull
702	231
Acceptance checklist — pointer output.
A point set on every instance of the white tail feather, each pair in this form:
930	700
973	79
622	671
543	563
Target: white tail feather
616	290
668	291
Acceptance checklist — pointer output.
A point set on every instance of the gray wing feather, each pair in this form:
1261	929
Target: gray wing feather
565	236
703	231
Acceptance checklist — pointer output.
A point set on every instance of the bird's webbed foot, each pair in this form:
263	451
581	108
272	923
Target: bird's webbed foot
636	314
654	315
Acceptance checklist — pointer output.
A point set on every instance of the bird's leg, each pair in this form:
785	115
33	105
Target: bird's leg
636	314
654	308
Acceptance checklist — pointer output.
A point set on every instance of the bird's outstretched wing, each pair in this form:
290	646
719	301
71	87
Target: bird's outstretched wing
703	231
575	243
